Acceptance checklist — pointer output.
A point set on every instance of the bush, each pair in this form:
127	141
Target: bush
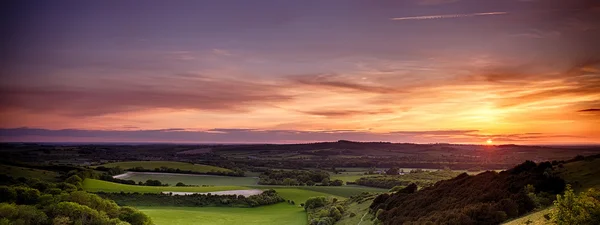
315	202
577	209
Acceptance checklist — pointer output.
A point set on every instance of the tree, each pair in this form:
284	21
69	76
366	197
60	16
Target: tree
74	180
392	171
335	213
315	202
27	196
150	182
180	184
577	209
325	182
336	183
7	194
61	220
115	171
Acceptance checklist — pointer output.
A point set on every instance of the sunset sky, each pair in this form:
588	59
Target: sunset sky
424	71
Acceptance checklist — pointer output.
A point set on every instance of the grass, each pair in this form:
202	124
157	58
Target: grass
582	174
93	185
170	164
192	179
341	191
536	218
349	176
359	209
17	171
282	213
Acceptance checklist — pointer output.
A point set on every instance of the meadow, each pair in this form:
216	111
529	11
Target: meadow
190	179
282	213
170	164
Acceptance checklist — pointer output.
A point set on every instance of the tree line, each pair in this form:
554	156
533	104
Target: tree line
297	178
164	169
419	177
31	201
267	197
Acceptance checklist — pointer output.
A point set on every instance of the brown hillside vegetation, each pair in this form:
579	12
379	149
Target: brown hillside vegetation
486	198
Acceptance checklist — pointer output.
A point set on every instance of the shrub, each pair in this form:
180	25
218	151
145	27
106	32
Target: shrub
577	209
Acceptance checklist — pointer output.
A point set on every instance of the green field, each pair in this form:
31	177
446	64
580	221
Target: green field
281	213
157	164
17	171
191	179
93	185
344	191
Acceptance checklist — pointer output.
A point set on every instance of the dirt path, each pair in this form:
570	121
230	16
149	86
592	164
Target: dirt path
361	219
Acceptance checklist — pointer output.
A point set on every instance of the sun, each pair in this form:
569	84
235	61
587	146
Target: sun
489	141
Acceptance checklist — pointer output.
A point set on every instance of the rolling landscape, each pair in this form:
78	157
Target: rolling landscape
169	191
306	112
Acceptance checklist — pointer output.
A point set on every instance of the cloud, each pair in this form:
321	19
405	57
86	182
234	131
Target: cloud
538	34
449	16
221	52
347	113
339	82
118	96
589	110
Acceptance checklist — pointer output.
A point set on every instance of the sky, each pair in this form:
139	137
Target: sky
422	71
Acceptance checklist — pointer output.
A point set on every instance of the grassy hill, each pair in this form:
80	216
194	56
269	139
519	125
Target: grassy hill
17	171
582	174
93	185
170	164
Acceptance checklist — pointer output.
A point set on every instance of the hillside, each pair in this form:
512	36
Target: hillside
486	198
581	175
17	171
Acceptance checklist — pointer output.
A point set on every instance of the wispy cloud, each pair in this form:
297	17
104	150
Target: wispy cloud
340	82
589	110
112	96
448	16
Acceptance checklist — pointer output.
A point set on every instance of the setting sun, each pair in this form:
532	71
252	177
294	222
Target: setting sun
489	141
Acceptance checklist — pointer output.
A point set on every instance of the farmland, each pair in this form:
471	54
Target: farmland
281	213
93	185
190	179
199	168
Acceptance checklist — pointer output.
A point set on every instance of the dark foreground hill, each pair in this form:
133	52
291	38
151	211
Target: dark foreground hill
486	198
